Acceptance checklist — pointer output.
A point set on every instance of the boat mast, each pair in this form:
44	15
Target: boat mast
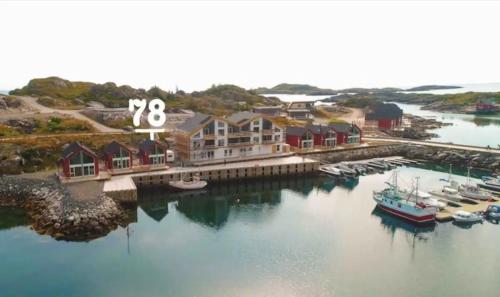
416	192
468	175
449	175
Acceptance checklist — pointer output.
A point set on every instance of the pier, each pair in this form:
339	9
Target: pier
124	187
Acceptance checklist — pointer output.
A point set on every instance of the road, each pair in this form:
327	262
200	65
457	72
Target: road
436	144
7	139
33	104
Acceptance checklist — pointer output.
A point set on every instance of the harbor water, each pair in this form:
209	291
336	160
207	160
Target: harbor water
469	129
297	236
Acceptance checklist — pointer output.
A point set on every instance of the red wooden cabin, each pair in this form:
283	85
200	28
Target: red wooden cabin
78	161
385	116
117	156
152	152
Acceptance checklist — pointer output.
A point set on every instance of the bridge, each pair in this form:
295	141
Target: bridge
445	145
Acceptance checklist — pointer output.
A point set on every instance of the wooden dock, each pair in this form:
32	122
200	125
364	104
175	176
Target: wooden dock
121	188
124	187
446	214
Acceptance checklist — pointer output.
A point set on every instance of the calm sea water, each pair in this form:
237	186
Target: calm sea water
291	237
465	129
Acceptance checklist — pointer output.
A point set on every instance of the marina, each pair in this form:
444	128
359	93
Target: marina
448	199
252	223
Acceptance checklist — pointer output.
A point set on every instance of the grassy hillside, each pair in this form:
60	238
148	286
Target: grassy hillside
368	99
220	99
295	89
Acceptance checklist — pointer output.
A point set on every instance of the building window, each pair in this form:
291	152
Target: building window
256	139
221	142
278	147
277	137
81	164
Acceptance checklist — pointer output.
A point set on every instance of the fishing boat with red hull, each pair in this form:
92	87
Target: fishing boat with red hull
405	205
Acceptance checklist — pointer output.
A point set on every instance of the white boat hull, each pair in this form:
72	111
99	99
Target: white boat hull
182	185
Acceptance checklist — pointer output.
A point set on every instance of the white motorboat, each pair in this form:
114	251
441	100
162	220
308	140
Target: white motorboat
330	170
426	198
461	216
448	193
194	184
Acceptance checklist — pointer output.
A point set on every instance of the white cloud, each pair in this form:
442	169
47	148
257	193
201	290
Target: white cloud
193	45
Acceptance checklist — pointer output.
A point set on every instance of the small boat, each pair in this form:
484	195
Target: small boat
461	216
474	192
330	170
491	183
377	165
360	169
448	193
397	203
493	212
194	184
346	170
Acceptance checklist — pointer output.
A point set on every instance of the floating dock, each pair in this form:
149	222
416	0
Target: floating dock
446	214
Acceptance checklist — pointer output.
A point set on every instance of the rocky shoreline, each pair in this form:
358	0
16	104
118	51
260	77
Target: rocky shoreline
419	127
52	210
435	155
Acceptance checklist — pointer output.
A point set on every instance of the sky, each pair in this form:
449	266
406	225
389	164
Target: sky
251	44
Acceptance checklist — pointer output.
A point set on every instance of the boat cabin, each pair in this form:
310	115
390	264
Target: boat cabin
78	161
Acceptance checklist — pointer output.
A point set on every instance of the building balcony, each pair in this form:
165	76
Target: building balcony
239	144
269	141
267	132
240	134
208	136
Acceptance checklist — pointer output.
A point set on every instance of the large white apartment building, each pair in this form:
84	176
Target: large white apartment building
243	134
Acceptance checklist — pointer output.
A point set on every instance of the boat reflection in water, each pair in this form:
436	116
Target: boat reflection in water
414	233
212	206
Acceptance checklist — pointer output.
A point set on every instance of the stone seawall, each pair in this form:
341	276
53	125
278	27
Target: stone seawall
459	158
52	210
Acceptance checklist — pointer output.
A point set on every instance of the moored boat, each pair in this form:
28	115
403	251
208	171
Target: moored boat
493	212
330	170
461	216
194	184
403	205
473	192
492	184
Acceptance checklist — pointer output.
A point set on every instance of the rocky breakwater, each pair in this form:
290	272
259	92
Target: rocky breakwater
436	155
52	210
458	158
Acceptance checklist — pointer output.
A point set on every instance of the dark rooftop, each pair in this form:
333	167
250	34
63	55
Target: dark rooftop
296	131
241	116
385	111
75	147
192	123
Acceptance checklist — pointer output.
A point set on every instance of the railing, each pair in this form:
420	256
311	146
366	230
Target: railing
267	132
239	143
239	134
209	136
